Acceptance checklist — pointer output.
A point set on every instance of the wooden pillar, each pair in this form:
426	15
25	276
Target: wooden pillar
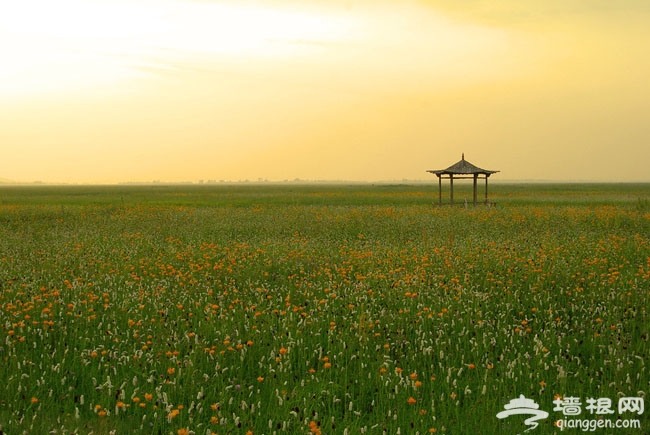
475	179
486	188
451	188
439	189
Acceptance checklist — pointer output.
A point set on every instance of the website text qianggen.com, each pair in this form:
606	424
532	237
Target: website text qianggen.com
595	424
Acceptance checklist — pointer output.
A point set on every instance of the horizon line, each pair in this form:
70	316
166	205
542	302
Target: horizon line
296	181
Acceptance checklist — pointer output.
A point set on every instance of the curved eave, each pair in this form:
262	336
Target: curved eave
446	172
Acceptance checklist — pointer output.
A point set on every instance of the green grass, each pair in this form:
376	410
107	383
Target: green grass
358	308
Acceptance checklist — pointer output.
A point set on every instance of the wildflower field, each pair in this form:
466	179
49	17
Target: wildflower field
317	308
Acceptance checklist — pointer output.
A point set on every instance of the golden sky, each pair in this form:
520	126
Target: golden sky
103	91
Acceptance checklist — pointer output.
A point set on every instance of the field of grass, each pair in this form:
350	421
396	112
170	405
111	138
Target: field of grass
319	308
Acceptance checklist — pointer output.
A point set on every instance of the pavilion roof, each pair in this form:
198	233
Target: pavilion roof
462	167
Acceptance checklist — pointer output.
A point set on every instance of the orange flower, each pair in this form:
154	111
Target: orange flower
327	365
148	397
260	378
471	366
34	400
411	401
283	350
183	431
313	427
171	370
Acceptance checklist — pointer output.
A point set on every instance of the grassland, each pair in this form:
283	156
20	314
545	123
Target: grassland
318	308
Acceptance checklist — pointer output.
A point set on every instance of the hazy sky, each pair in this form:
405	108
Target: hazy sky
180	90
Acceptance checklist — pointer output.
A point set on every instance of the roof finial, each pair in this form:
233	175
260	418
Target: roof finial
463	156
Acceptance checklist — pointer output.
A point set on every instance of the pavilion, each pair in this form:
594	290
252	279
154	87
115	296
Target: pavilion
461	170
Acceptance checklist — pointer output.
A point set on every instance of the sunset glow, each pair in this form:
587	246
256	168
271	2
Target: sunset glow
107	91
61	46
